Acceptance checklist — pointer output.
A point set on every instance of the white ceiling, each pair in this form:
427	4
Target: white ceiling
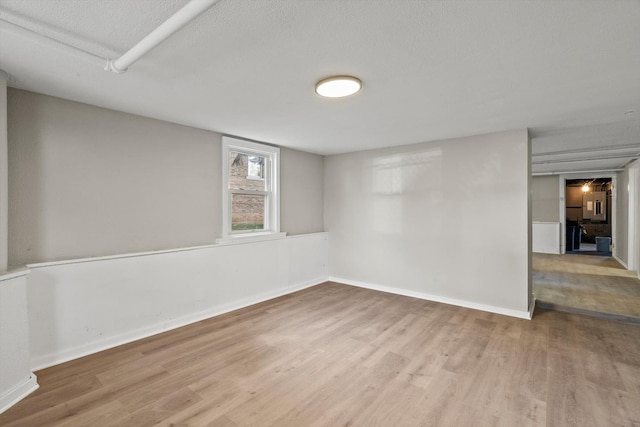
568	70
592	148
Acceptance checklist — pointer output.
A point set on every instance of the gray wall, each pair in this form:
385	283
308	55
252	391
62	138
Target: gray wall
86	181
448	219
545	198
301	192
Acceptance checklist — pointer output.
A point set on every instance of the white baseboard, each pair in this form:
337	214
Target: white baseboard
624	264
436	298
532	306
97	346
18	393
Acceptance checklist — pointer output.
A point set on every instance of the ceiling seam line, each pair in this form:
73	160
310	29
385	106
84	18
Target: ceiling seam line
60	43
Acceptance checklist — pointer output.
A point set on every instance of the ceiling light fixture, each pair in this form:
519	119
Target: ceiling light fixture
338	86
585	188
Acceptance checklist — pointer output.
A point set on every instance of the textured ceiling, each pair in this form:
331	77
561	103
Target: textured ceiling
431	69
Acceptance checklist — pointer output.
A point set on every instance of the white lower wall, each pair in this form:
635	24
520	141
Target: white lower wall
546	237
84	306
16	378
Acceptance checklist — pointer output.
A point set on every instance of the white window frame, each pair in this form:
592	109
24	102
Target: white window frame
272	190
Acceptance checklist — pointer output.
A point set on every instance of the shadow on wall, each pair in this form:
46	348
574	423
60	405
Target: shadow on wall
403	174
26	206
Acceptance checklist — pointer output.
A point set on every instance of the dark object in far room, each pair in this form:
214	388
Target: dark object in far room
570	237
577	237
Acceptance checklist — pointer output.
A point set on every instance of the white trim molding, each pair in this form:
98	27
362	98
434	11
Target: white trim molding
622	263
437	298
18	393
250	238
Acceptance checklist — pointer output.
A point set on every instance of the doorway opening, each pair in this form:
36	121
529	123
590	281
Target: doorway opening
599	285
588	213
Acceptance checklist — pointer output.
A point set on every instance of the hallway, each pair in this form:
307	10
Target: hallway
586	284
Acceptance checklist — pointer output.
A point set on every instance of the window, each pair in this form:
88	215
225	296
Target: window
255	168
250	188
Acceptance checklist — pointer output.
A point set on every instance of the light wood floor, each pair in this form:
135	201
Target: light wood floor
335	355
587	282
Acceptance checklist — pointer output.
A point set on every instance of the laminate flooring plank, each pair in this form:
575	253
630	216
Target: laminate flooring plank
444	399
155	412
339	355
395	336
375	322
59	374
470	343
473	417
529	370
497	388
215	353
430	331
597	284
44	399
65	410
223	421
280	395
568	403
432	356
98	416
398	404
623	341
134	372
270	380
209	410
630	375
320	375
360	396
157	390
346	394
614	407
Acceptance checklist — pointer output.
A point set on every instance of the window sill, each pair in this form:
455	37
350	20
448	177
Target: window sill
250	238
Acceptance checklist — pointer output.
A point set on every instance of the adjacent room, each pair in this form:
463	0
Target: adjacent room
313	213
588	224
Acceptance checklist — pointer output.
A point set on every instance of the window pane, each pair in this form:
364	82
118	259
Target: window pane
246	171
256	167
247	212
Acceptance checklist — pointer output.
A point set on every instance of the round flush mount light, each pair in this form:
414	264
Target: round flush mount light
338	86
